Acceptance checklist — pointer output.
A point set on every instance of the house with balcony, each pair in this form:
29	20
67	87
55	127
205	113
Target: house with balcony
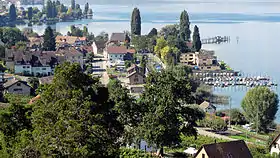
203	60
188	58
207	61
118	53
37	63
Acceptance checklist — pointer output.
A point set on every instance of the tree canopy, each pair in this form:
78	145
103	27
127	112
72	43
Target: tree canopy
10	36
185	32
49	40
196	39
80	119
13	13
135	22
165	112
260	106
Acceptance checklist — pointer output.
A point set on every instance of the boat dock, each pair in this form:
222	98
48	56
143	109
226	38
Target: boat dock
231	78
216	40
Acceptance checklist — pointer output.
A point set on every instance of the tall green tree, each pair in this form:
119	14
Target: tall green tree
85	31
185	32
73	4
30	13
12	13
166	115
81	121
86	9
153	32
196	39
49	9
10	36
49	40
260	106
135	22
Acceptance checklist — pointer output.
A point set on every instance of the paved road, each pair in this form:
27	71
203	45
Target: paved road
101	62
203	132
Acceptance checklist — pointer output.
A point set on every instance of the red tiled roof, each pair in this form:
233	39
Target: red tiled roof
189	44
116	50
132	51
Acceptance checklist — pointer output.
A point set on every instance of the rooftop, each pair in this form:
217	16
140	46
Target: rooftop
116	50
117	37
233	149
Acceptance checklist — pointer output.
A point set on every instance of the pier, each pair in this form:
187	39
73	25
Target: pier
216	40
232	78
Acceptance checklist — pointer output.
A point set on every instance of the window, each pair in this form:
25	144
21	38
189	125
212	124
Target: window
44	68
208	67
204	59
27	66
18	84
203	155
136	80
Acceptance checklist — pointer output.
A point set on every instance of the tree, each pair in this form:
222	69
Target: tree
196	39
103	36
81	119
237	117
30	13
10	36
170	30
12	13
73	4
161	43
185	32
135	22
86	9
85	31
49	40
49	9
165	114
260	106
153	32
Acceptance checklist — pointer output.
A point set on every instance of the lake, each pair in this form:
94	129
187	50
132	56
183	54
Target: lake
255	22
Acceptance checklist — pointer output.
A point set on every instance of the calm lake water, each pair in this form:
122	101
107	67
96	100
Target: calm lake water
255	22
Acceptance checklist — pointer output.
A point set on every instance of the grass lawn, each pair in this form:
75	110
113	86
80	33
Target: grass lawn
259	135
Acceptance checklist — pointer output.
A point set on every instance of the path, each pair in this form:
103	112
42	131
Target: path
203	132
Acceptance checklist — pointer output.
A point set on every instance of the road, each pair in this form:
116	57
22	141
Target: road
203	132
100	63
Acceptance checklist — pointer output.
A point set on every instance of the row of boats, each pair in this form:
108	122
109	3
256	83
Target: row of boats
237	81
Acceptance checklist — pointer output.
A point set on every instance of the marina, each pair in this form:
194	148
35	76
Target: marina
216	40
226	81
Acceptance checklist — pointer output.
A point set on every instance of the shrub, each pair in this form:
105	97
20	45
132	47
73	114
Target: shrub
133	153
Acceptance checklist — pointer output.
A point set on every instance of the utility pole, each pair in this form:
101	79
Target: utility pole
229	111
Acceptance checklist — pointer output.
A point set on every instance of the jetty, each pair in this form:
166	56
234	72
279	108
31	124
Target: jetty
232	78
216	40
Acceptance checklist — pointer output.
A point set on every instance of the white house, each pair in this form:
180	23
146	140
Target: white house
115	53
275	145
208	107
42	70
98	46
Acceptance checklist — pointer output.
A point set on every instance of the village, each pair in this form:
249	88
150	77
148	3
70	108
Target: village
168	69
